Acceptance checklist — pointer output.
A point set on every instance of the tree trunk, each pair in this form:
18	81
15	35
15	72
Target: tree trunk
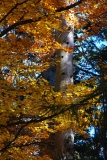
64	75
64	66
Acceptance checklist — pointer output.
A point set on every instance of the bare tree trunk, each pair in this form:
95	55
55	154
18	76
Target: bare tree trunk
64	75
64	66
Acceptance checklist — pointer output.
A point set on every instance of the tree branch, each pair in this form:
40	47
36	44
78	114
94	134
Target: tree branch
65	108
87	71
69	7
97	92
17	4
16	136
31	20
18	24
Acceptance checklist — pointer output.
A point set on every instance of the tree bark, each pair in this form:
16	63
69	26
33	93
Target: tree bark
64	75
64	66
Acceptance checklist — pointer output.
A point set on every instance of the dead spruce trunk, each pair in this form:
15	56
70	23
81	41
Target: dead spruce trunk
64	75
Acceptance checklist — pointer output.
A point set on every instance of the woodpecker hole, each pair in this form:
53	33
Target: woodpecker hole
71	76
63	73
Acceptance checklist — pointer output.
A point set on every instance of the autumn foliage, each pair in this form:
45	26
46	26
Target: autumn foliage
30	109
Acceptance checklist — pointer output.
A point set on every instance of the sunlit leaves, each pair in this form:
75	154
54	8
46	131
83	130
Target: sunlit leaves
26	101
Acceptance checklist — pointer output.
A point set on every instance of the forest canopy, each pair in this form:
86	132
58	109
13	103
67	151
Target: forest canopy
30	108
